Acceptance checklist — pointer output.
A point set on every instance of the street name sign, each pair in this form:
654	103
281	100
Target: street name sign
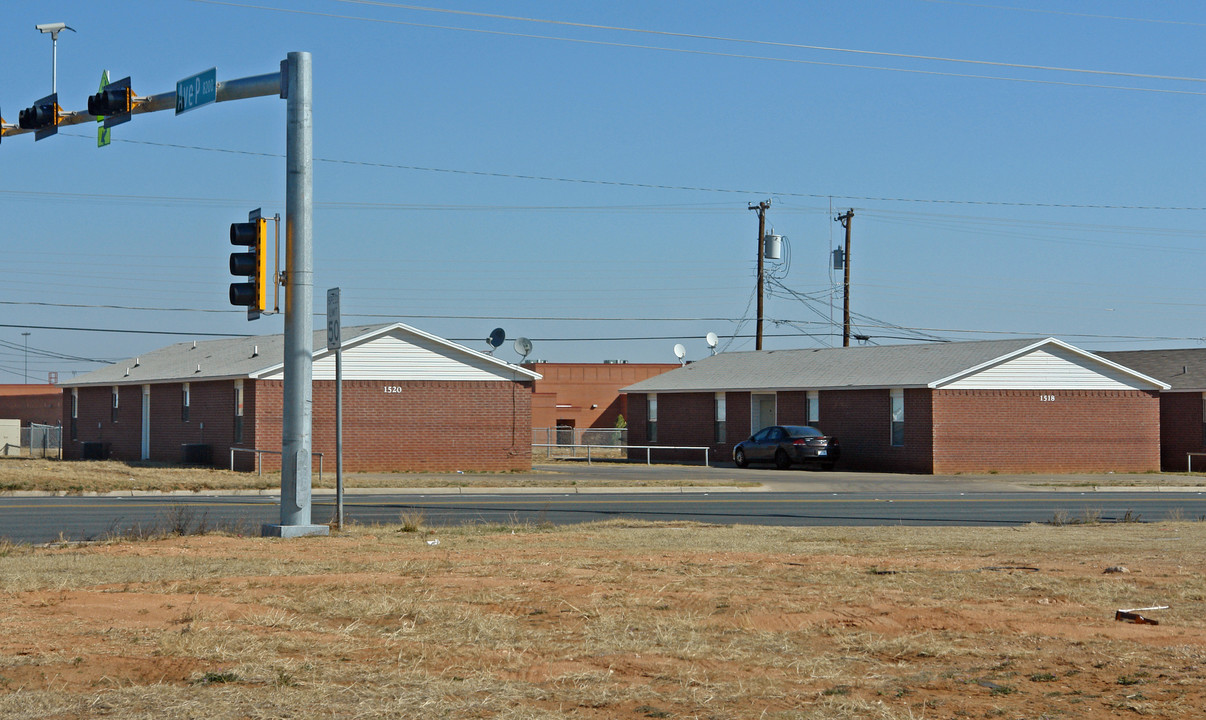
196	90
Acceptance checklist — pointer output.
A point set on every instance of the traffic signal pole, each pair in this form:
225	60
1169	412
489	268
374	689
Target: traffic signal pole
293	83
299	299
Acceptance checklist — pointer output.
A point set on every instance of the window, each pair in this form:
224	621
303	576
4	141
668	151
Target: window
238	411
814	407
184	403
113	414
651	420
1204	418
75	413
720	414
897	395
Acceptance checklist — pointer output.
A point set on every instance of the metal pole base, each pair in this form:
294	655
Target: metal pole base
292	531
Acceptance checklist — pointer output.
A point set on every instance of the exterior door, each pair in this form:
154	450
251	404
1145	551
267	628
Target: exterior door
762	411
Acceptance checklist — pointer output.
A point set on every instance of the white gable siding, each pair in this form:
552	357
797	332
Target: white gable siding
391	357
1048	368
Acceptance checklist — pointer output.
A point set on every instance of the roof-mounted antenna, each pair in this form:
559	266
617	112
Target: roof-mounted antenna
523	347
680	352
712	340
497	335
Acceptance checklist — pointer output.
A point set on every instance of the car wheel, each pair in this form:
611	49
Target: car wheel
827	466
781	460
739	458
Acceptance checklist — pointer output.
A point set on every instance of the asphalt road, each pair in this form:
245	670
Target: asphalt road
792	499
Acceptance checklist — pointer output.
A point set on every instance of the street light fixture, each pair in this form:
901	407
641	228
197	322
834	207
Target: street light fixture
54	29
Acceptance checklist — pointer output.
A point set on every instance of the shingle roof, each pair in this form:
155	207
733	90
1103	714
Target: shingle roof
1184	369
925	365
244	357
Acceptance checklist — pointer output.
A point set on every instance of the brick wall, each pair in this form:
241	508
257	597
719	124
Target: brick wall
471	426
1064	431
42	404
861	420
1181	430
577	386
94	423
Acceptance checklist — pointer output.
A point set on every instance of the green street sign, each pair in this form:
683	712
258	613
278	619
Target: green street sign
196	90
103	134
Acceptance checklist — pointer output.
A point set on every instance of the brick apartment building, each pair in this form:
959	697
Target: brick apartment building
585	395
411	402
1182	406
1016	406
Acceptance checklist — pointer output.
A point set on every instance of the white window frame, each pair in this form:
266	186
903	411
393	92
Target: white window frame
814	406
896	417
651	418
719	427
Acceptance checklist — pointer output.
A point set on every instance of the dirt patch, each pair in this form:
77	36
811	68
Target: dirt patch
612	620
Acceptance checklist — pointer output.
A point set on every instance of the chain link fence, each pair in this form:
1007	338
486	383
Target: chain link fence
42	441
563	441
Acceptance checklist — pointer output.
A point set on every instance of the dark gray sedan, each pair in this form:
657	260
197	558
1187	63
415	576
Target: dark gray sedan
787	444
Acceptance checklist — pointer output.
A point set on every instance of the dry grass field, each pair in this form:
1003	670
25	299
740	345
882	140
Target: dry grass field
76	477
615	620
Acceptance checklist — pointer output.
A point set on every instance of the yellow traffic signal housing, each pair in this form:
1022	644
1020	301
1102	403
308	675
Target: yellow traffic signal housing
252	264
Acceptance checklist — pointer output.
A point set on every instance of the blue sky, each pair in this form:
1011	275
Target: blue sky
588	187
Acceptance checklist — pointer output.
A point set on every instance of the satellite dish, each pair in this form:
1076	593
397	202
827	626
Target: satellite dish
523	347
680	352
497	335
712	340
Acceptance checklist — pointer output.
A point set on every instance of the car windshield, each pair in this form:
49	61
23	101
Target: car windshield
803	431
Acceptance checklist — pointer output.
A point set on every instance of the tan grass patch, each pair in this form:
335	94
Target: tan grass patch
610	620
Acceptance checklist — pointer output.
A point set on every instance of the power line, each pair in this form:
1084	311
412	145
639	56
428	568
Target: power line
653	186
1047	11
750	57
769	43
123	331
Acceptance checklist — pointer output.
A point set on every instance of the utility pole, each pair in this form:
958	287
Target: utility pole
25	377
845	220
761	209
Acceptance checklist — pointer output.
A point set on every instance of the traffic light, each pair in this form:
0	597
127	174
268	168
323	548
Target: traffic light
42	117
252	264
114	102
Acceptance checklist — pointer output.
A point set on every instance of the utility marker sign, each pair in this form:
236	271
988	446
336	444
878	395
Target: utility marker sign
197	90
